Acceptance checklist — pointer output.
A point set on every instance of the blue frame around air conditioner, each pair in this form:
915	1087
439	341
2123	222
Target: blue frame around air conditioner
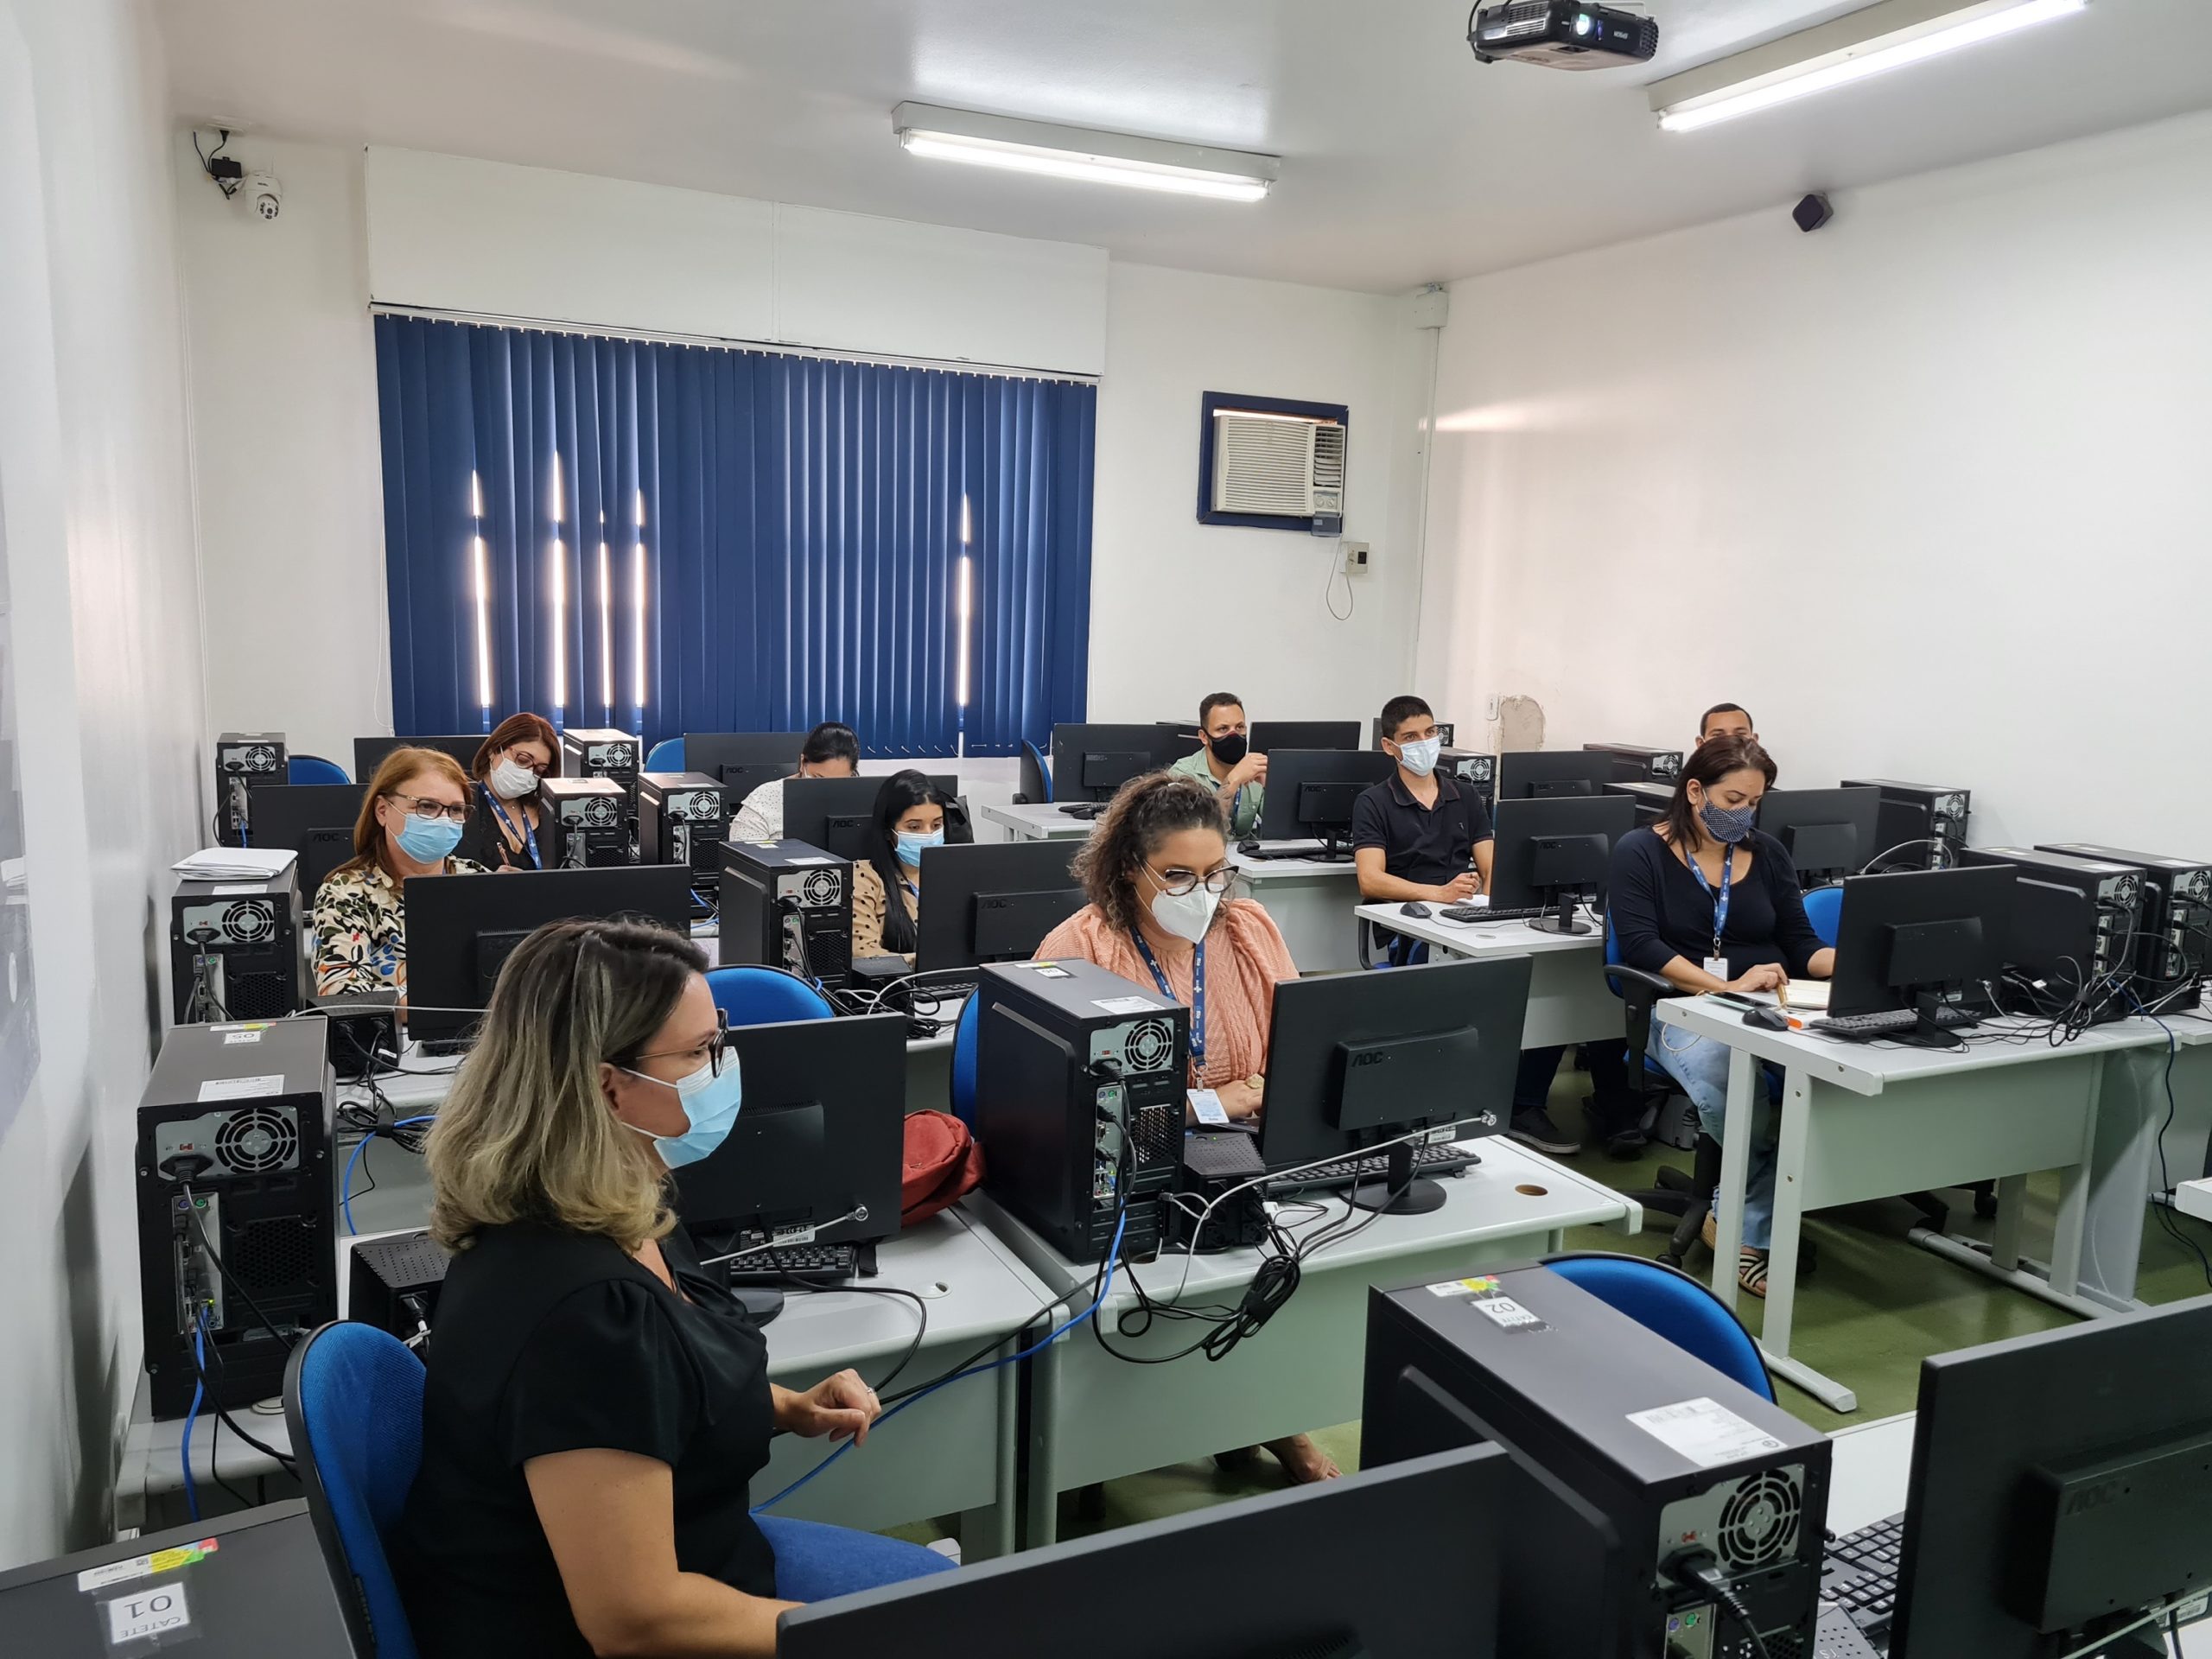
1213	400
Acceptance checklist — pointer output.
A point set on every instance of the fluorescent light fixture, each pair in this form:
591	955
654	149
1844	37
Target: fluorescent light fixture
1889	34
1057	152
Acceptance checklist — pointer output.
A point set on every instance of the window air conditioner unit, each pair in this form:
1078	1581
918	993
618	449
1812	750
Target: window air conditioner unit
1288	467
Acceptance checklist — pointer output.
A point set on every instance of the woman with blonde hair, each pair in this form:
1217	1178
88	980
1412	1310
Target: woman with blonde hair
412	814
597	1403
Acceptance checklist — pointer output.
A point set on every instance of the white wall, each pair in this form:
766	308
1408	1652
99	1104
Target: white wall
1926	489
1178	608
289	472
101	657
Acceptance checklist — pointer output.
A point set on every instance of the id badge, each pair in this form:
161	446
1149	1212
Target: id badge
1718	967
1206	1106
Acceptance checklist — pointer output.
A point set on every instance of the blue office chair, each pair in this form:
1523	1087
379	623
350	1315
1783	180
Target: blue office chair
1036	786
314	769
765	996
1670	1303
354	1403
963	1061
667	755
1824	909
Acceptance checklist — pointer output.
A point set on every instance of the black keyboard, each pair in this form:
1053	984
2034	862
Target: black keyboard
1446	1157
774	1264
1861	1576
1891	1022
1495	912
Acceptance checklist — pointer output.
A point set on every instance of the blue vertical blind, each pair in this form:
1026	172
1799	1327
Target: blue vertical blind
669	537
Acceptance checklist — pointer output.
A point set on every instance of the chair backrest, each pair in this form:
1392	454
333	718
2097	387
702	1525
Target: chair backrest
963	1060
353	1402
765	996
667	755
1036	774
1673	1305
1824	910
313	769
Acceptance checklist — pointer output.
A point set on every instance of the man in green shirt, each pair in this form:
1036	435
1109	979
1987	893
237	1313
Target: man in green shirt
1225	761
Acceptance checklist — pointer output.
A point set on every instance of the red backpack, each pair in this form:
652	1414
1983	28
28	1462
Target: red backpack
943	1163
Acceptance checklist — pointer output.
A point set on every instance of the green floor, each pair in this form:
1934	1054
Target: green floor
1874	1307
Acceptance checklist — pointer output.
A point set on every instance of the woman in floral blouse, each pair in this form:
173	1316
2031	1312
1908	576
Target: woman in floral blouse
412	814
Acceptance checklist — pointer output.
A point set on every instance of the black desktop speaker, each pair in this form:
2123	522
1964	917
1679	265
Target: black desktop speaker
237	950
236	1219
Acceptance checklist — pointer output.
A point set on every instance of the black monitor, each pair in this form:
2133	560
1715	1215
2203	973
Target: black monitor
369	751
817	1154
1554	854
741	762
833	813
1268	735
1089	762
1357	1568
1828	833
1911	939
1310	792
461	929
1446	730
313	820
1540	774
995	901
1355	1059
2059	1490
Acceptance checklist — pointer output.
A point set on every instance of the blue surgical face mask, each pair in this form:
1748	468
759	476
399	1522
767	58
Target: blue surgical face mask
428	840
1726	825
710	1100
910	848
1420	759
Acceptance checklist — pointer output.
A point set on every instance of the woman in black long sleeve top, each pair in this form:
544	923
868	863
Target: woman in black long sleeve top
1664	905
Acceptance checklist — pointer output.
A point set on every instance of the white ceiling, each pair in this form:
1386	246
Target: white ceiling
1404	160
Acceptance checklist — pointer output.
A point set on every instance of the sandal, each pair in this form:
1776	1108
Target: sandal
1751	1271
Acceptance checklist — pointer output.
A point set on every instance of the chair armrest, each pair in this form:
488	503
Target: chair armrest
1658	983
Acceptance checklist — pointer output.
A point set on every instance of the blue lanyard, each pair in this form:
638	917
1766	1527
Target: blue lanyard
1719	905
1197	997
528	829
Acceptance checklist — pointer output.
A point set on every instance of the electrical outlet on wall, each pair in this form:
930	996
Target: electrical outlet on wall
1490	707
1356	557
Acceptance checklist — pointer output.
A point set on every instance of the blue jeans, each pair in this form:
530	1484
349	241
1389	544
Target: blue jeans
815	1562
1701	1067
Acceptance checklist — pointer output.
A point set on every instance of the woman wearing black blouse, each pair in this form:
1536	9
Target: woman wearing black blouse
1705	900
504	830
595	1404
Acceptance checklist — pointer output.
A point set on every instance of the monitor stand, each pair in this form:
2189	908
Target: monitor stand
1928	1034
1562	919
1400	1192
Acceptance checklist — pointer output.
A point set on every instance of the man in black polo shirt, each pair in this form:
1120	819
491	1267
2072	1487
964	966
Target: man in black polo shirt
1419	835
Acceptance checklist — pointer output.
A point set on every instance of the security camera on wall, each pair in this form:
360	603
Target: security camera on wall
265	193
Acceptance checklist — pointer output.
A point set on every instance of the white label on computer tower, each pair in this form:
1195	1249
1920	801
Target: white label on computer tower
1126	1005
240	1088
150	1612
1504	1312
1706	1433
241	1037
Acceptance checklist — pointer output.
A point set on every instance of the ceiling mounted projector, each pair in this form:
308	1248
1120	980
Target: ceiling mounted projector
1561	35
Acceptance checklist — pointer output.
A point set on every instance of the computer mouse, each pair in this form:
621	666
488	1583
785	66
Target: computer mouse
1249	846
1416	910
1772	1019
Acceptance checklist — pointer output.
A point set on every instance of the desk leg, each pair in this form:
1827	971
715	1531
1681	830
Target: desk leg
2069	1227
989	1532
2012	1212
1782	1260
1041	1501
1735	1171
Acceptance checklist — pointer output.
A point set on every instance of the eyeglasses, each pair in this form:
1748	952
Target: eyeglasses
420	807
711	1050
1176	883
537	766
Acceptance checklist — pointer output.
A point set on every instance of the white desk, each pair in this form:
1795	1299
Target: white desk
1862	1122
974	1287
1312	901
1568	999
1093	1417
1039	821
2131	1116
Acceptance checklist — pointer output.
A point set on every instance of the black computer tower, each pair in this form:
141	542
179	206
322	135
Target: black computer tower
787	904
2172	952
243	759
590	751
237	950
1081	1079
1912	815
1475	770
1616	1430
238	1113
2068	910
1639	763
1651	800
682	818
585	824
